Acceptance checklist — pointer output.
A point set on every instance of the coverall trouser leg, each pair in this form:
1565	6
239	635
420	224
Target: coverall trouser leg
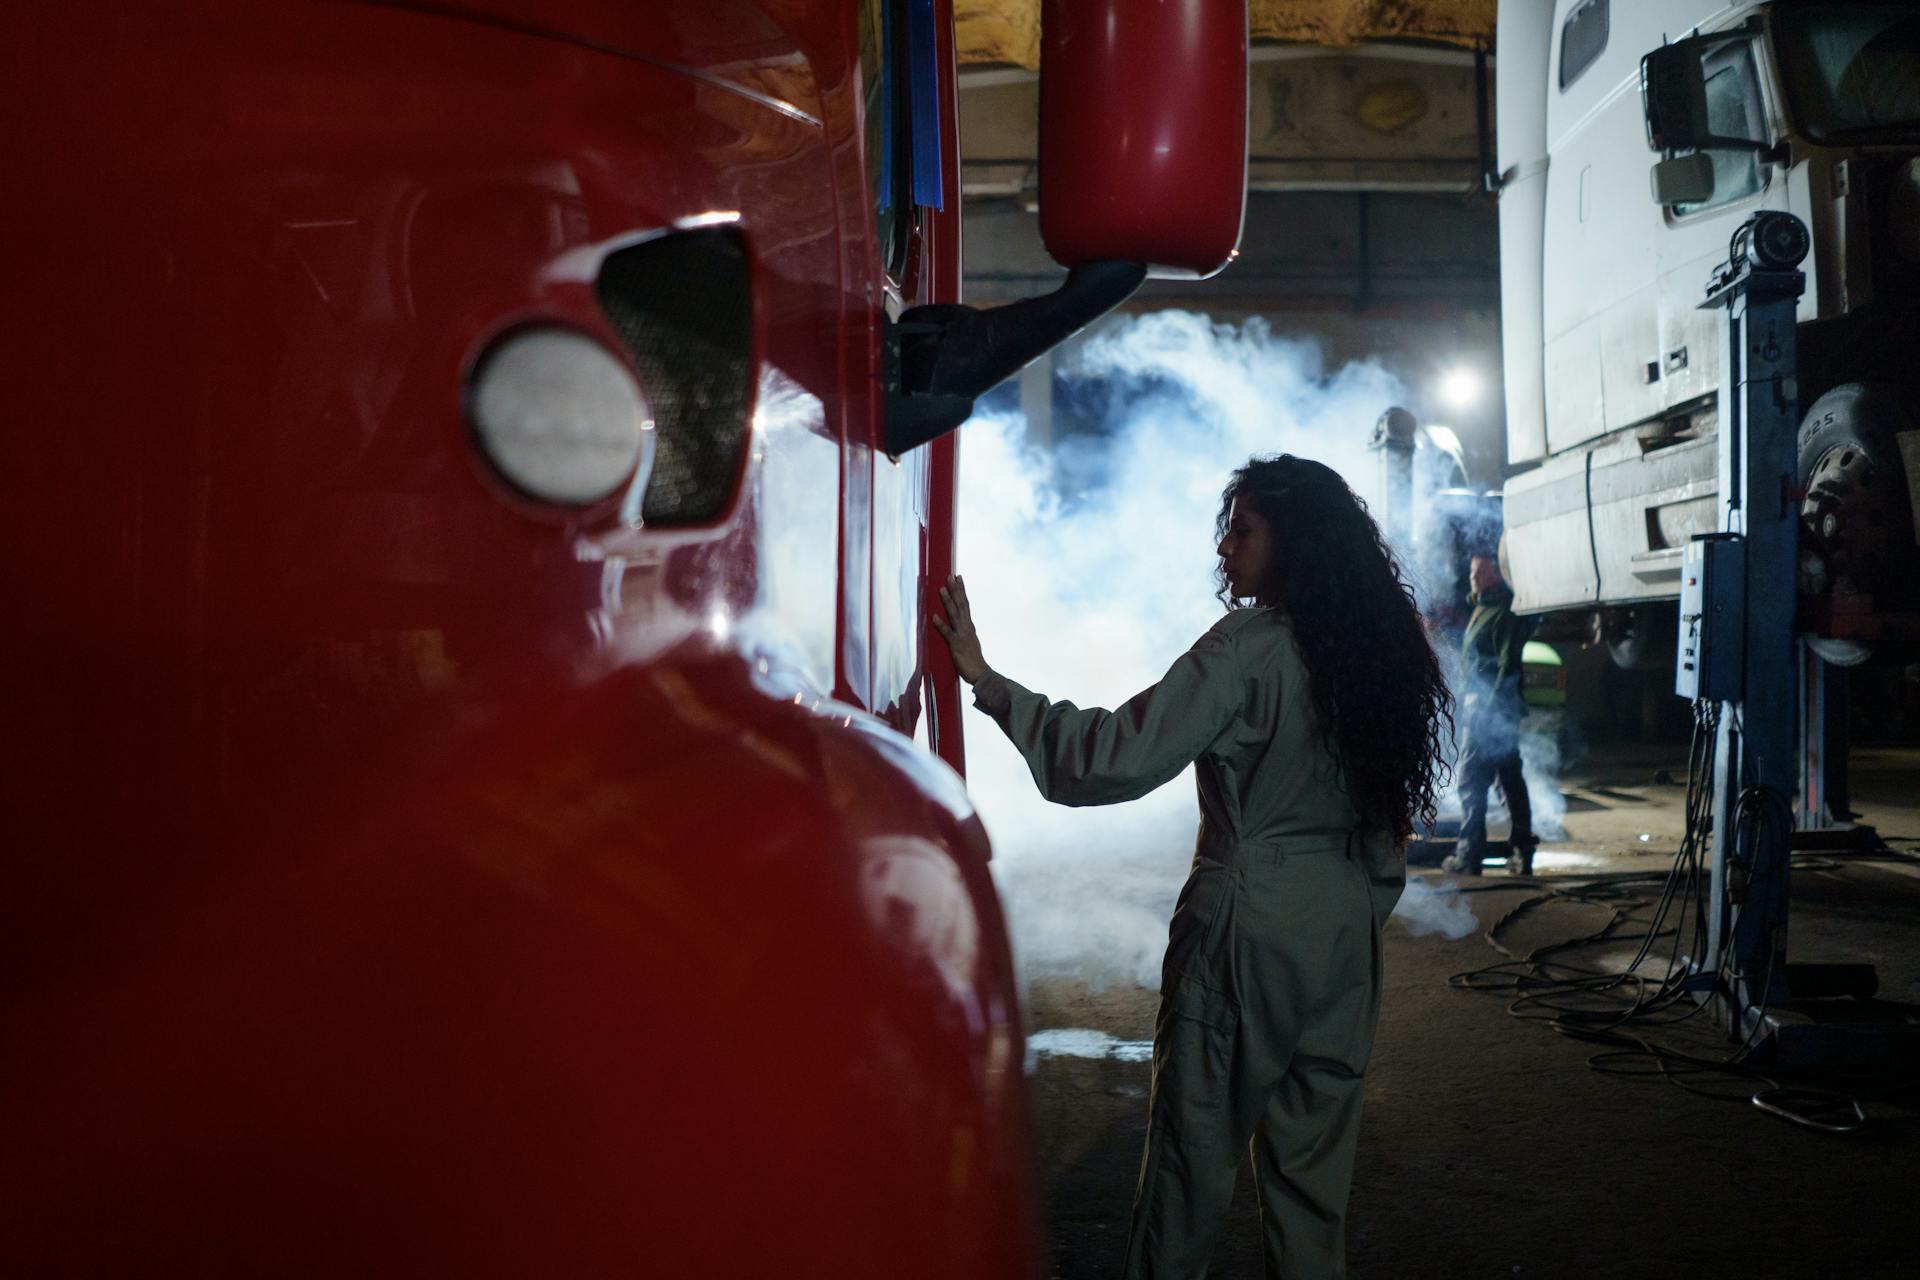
1269	998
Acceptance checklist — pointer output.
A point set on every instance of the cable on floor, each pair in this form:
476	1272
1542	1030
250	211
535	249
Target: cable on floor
1622	1009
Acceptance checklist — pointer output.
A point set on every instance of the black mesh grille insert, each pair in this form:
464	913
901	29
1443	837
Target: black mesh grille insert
683	306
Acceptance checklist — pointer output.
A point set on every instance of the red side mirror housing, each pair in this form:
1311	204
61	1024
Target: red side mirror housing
1143	132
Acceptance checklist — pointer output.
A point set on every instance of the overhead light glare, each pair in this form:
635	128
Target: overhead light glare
1460	388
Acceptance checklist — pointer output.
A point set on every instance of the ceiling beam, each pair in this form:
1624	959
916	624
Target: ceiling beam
1008	31
1372	118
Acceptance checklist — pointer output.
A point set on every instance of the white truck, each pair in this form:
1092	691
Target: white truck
1610	227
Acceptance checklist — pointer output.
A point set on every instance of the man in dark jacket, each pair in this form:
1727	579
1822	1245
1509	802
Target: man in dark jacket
1490	670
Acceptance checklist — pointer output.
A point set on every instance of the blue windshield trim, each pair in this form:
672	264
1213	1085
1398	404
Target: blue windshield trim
923	86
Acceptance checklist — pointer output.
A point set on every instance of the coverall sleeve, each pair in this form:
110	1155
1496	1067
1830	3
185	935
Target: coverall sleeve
1095	756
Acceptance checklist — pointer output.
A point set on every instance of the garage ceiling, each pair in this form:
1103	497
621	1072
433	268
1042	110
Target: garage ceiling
1008	31
1366	129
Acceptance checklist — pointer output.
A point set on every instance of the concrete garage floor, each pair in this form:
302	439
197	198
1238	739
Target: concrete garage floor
1491	1149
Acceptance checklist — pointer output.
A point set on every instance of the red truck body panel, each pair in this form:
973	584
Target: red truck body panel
407	877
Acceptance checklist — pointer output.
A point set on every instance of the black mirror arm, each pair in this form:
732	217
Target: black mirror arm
939	358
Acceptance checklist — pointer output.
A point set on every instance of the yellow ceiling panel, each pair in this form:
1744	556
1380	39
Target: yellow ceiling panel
998	31
1341	22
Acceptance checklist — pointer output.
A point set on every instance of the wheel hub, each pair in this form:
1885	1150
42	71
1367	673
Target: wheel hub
1844	519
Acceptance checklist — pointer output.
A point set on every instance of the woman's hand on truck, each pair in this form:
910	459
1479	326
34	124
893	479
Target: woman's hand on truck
956	628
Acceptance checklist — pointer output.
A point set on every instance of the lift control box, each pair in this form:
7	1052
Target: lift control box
1713	588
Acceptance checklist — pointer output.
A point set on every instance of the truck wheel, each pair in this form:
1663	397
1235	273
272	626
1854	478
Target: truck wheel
1641	637
1857	517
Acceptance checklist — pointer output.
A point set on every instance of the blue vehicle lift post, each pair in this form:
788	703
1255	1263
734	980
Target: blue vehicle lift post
1758	685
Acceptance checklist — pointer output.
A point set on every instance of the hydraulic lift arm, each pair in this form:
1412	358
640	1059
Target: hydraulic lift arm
1757	560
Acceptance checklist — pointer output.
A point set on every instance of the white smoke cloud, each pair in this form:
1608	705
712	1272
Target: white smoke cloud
1540	763
1091	570
1424	909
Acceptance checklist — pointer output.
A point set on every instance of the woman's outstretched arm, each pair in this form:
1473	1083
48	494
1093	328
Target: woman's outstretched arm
1085	756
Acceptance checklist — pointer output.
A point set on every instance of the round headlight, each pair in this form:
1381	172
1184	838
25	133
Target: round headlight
559	417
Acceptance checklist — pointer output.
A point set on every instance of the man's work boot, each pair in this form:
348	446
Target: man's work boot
1460	864
1520	862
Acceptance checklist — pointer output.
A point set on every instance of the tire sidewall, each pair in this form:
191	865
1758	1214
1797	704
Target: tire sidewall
1870	417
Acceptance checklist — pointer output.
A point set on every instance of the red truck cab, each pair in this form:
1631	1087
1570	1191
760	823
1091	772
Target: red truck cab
467	633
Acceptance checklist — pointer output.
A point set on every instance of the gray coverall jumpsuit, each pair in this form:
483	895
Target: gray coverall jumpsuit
1271	986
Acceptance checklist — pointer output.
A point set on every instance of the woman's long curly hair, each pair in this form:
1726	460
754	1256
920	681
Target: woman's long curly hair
1374	677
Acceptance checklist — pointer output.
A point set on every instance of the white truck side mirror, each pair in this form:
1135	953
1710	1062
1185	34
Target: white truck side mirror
1684	179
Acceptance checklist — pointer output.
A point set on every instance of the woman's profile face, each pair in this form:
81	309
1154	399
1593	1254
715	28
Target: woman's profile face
1246	552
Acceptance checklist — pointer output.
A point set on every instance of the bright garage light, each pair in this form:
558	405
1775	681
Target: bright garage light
1460	388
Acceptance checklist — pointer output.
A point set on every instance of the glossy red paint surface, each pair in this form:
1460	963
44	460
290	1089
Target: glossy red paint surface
1143	132
405	877
943	503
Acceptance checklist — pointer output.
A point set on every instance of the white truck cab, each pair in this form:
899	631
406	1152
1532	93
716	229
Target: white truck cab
1613	370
